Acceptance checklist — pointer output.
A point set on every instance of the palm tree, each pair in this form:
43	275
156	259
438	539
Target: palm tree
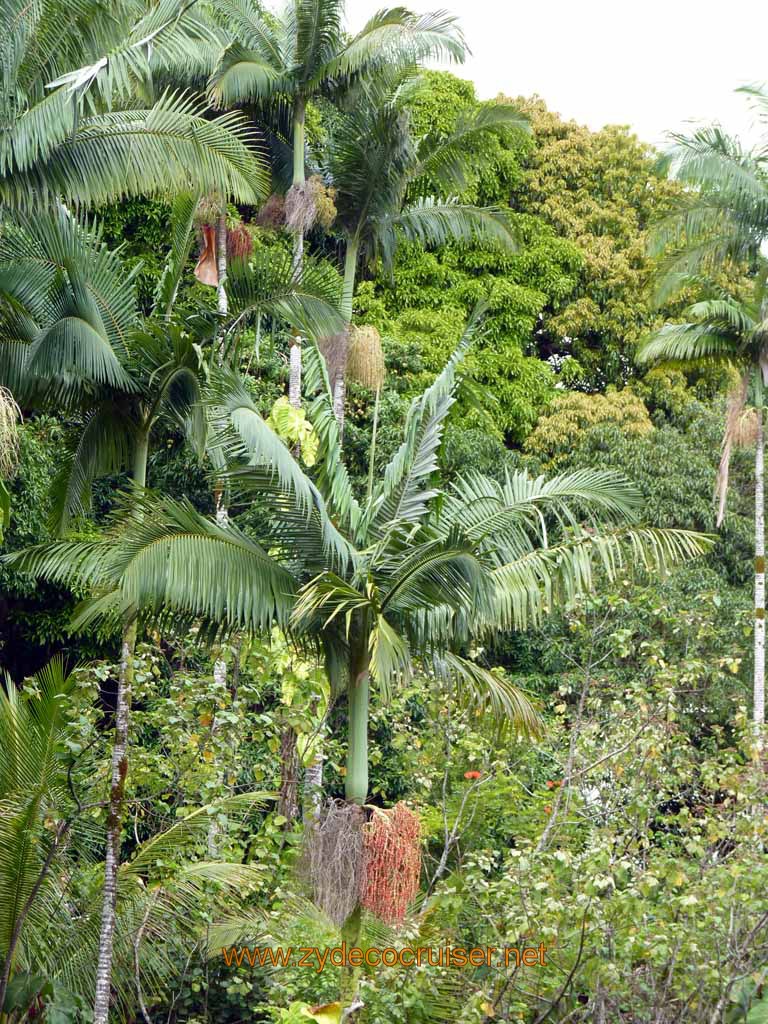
285	61
721	221
412	576
80	341
49	927
379	171
77	125
728	331
407	581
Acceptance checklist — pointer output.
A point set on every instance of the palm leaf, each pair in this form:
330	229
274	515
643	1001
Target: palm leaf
170	147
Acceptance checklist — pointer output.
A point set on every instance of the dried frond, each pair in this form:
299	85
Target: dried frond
392	863
740	430
333	858
10	415
365	364
206	270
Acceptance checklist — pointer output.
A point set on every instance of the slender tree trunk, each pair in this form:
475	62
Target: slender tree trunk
313	784
117	787
294	383
372	454
220	685
347	295
288	802
114	824
356	791
288	798
358	695
222	301
350	275
759	678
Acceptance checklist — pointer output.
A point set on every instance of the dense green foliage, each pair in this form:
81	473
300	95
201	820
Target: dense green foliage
502	561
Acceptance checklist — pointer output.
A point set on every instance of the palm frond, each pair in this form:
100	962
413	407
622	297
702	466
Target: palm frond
399	37
170	147
182	240
530	586
433	222
268	284
332	476
242	75
687	342
446	158
403	495
490	694
104	445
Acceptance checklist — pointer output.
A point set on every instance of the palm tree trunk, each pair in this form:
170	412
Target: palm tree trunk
288	801
347	296
759	674
372	455
117	788
294	381
356	792
358	694
222	301
313	784
114	825
350	275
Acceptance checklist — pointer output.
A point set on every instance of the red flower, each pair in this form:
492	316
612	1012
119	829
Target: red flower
471	775
551	784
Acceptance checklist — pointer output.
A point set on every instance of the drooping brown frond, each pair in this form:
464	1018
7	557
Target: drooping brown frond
740	430
365	363
206	271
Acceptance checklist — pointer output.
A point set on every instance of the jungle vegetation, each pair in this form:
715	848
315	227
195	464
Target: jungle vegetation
382	524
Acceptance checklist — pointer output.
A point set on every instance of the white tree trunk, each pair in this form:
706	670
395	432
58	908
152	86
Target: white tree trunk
220	683
759	681
221	264
114	825
294	381
313	784
339	397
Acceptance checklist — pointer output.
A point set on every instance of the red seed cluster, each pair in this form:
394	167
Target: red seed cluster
392	859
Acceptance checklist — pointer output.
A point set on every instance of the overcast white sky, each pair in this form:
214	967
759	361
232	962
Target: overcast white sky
653	65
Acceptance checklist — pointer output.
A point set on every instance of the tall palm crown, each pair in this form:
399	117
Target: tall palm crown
74	338
49	927
78	114
723	214
406	579
722	219
382	173
303	51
